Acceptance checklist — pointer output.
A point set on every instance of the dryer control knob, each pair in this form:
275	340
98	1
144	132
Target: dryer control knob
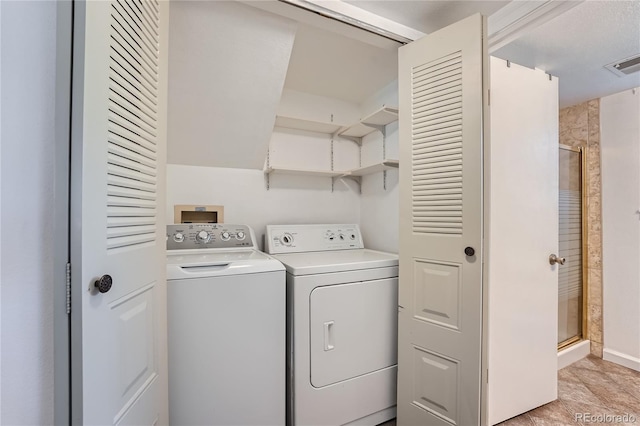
286	239
225	236
203	236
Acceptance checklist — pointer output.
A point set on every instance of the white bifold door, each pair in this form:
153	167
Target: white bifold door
119	365
478	221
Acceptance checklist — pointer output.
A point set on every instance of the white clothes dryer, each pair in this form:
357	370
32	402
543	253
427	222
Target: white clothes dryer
342	312
226	328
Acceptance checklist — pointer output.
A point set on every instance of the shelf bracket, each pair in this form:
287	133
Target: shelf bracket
267	175
332	180
379	127
354	139
356	179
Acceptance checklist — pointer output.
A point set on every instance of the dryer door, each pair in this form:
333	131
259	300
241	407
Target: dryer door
353	330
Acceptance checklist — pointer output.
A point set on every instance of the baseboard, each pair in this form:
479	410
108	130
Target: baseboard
622	359
573	353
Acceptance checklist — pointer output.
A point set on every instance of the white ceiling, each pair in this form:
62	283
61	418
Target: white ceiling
428	16
573	46
577	45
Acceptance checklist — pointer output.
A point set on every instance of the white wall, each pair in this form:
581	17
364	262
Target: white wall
620	147
28	86
379	208
304	199
227	63
291	199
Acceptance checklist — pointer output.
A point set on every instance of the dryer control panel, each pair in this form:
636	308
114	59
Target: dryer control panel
189	236
306	238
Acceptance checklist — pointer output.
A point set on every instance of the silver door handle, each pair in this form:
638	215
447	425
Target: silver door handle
553	259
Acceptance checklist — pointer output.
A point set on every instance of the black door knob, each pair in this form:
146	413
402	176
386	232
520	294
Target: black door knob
469	251
104	283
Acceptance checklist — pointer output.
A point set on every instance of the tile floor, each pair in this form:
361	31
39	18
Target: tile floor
591	385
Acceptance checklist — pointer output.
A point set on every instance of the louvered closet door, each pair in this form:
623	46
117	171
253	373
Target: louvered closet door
119	366
442	82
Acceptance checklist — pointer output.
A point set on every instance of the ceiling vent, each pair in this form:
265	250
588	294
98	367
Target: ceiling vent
625	66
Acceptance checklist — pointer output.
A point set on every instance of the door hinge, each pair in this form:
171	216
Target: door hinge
68	288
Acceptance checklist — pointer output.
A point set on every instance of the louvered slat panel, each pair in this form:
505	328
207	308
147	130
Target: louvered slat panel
125	143
436	89
115	212
117	130
124	98
150	25
125	78
570	244
119	150
135	19
116	170
132	32
131	183
132	128
130	46
116	201
131	164
129	117
119	191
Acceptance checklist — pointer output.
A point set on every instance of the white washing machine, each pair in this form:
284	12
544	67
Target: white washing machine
226	328
342	313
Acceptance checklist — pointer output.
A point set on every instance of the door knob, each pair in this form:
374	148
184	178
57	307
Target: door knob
469	251
104	283
553	259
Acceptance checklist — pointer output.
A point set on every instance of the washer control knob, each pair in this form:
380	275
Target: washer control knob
225	236
240	235
203	236
352	236
286	239
341	236
178	237
332	237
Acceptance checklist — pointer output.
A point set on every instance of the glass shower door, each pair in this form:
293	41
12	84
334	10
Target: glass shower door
571	275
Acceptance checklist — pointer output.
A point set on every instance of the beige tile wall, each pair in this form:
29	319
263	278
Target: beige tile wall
580	126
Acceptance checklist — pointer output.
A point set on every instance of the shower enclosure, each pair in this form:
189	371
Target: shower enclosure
572	246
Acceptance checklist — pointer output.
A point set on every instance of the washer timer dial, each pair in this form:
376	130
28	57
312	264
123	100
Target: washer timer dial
203	236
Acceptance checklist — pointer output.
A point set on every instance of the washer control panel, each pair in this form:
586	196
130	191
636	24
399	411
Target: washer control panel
305	238
189	236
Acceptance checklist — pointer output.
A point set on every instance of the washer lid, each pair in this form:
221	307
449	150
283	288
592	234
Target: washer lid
324	262
213	264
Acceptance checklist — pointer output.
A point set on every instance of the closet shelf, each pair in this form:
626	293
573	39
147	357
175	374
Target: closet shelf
320	173
375	121
378	120
374	168
309	126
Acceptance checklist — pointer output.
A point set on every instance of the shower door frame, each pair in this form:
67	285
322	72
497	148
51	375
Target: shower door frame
582	151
